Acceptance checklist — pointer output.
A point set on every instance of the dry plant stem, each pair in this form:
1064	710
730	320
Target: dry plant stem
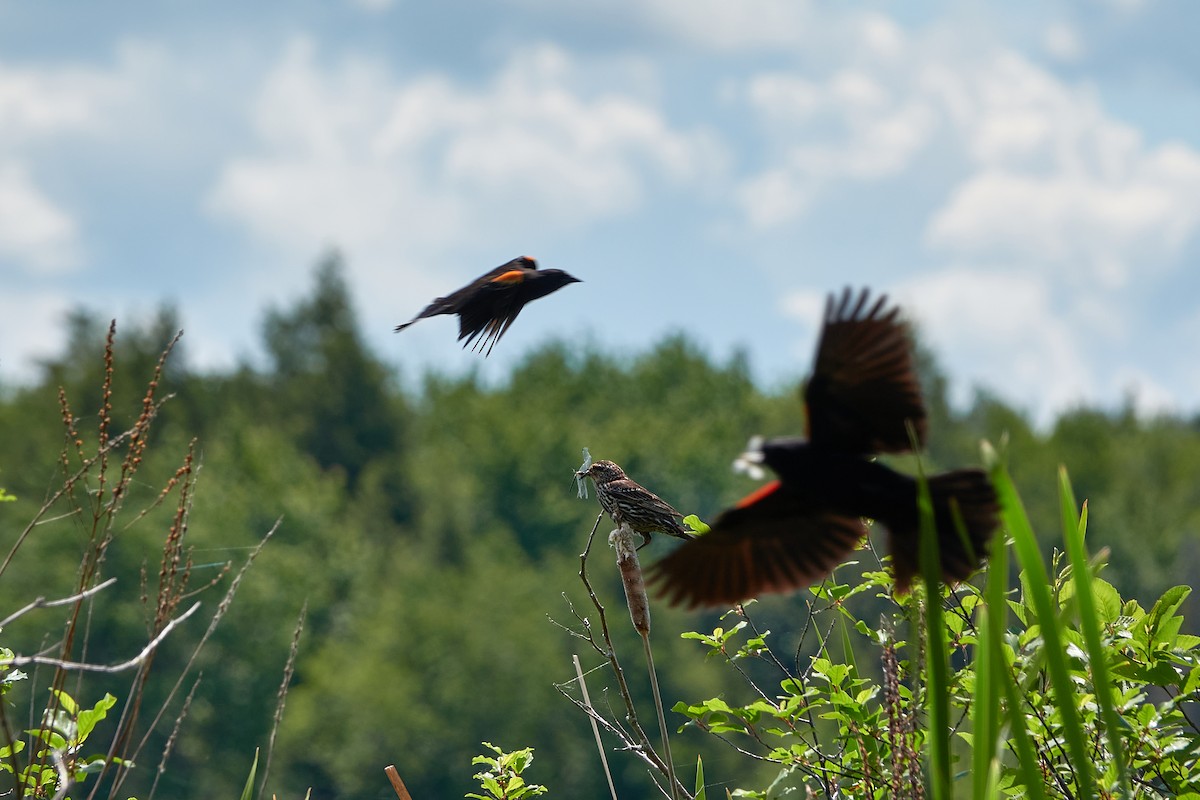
42	602
397	784
288	670
136	661
170	745
639	742
595	728
9	743
639	613
67	487
222	608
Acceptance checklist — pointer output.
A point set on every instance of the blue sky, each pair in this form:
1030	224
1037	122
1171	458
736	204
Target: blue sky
1023	177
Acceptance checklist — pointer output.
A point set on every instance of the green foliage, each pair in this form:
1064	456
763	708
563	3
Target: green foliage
58	741
502	779
1123	690
432	526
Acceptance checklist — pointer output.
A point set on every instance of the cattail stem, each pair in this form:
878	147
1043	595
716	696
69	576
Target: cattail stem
662	718
623	540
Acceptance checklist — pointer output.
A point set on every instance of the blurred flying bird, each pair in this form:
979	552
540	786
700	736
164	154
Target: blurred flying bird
862	399
491	302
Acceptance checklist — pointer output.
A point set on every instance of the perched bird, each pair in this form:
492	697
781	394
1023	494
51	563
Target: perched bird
862	399
627	502
491	302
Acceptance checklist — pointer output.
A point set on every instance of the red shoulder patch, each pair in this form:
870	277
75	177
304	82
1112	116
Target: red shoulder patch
512	276
757	494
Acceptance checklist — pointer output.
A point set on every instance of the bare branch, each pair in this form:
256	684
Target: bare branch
80	666
42	602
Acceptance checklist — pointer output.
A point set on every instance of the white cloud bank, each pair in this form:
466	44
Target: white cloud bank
1052	207
389	166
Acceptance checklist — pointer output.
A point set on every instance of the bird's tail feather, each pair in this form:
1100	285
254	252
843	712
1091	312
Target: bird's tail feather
442	305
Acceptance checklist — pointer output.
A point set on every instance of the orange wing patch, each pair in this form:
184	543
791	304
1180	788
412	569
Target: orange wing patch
512	276
757	494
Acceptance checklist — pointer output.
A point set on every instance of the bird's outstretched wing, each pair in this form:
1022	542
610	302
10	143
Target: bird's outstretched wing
864	385
770	542
491	309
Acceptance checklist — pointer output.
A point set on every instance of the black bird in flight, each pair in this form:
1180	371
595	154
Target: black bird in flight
491	302
792	532
628	502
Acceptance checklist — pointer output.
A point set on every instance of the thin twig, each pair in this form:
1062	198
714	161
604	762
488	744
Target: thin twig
170	745
288	670
222	608
136	661
42	602
595	728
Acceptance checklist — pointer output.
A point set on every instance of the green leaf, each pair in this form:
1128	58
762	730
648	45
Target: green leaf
65	702
88	718
248	789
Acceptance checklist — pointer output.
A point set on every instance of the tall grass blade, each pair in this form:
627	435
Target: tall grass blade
1074	528
1054	646
248	790
937	655
985	713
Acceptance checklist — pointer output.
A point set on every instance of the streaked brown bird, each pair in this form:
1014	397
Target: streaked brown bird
628	502
793	531
491	302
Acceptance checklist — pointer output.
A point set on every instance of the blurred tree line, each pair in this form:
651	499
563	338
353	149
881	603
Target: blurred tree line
433	530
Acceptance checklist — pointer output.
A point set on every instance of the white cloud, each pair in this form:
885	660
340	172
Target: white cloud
1001	329
1057	182
37	102
384	166
807	306
38	108
850	127
1148	396
1063	42
31	328
34	231
1040	174
50	115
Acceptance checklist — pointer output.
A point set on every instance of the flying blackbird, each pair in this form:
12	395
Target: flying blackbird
793	531
491	302
627	502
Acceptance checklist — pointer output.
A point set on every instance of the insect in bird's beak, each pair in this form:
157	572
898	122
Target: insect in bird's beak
581	473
